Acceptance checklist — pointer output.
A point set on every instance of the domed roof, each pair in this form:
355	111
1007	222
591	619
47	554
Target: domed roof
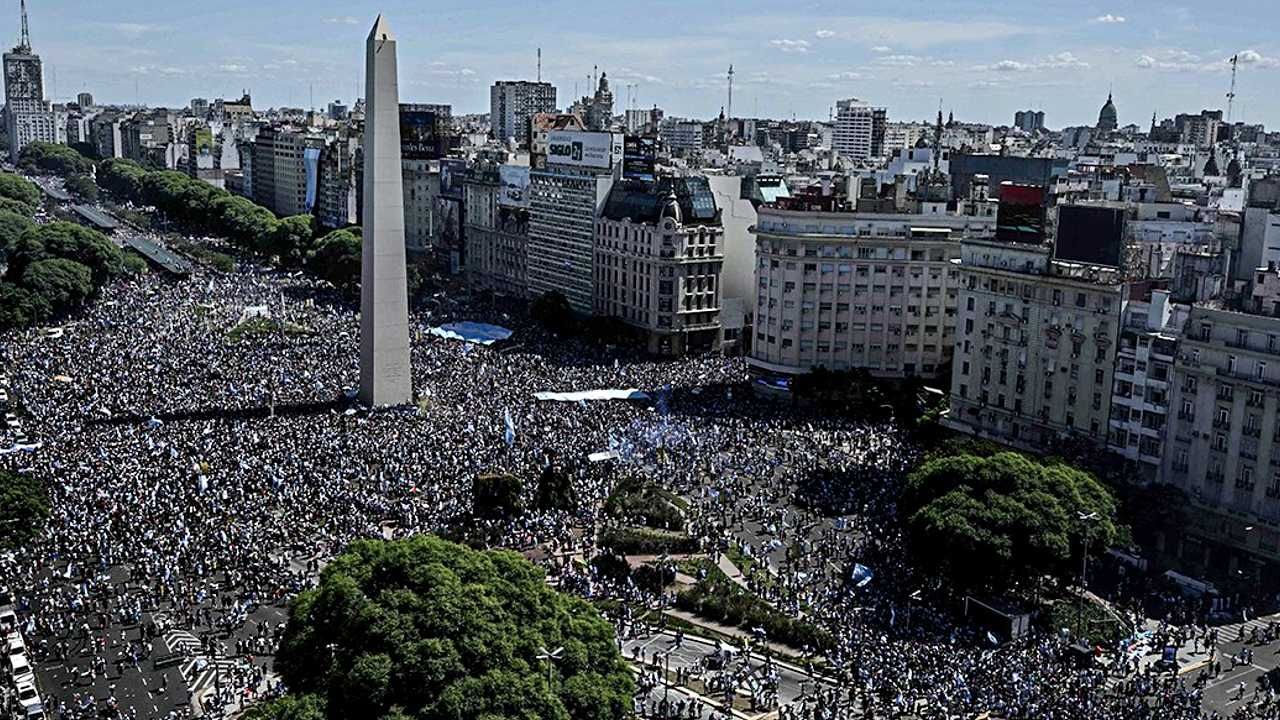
1108	119
671	207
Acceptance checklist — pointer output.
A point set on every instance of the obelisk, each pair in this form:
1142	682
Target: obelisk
385	377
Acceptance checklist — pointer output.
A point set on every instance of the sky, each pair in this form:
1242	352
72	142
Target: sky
981	60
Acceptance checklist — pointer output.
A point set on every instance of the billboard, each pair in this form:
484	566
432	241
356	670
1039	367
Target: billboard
639	158
452	173
514	180
418	137
1090	235
1021	214
581	149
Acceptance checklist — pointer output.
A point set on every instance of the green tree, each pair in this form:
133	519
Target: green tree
553	312
289	707
122	178
1004	520
12	226
84	245
496	497
24	506
53	158
83	187
20	190
555	490
19	307
62	283
428	629
291	239
336	257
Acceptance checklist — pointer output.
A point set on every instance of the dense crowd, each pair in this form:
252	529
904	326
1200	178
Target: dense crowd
200	474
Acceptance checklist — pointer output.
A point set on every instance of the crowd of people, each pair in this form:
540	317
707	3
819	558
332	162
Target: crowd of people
200	474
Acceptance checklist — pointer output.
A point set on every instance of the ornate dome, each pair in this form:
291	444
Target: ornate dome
1108	118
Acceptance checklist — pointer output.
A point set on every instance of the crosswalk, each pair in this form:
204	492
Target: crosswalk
1230	633
200	672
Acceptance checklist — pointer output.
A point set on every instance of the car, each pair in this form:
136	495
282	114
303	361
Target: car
8	618
29	700
4	395
14	644
12	421
20	668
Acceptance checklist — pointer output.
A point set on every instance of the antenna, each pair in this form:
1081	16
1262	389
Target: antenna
25	43
539	64
1230	96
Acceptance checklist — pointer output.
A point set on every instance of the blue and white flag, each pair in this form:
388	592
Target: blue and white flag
510	434
994	640
861	575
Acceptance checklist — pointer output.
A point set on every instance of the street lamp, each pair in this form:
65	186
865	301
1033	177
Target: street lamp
911	600
549	657
1085	519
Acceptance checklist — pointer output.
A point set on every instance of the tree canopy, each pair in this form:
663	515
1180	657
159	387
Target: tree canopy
20	190
53	158
63	283
336	257
1005	519
82	186
24	503
423	628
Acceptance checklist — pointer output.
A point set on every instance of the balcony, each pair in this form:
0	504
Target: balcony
1253	432
1214	477
1187	416
1222	424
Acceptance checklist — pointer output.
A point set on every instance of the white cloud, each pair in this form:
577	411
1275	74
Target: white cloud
791	46
1183	61
342	20
848	75
167	70
133	31
899	60
1109	19
882	49
824	34
232	68
1146	61
1253	57
1057	61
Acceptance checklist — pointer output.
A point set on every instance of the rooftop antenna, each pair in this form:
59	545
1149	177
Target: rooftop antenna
1230	96
539	64
25	43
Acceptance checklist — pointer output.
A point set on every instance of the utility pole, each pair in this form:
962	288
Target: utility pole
1231	96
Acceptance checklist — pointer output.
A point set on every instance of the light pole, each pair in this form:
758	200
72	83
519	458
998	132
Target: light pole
911	600
1085	519
549	657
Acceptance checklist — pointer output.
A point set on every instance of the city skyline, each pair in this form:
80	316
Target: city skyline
982	65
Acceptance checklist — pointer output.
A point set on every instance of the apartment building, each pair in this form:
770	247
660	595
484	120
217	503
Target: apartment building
859	130
497	228
285	169
659	252
844	290
1035	346
513	103
1223	443
1149	332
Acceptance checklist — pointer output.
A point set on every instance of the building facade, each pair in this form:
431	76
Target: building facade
497	235
28	117
285	169
513	103
1150	327
1035	346
859	132
563	204
659	251
847	290
336	196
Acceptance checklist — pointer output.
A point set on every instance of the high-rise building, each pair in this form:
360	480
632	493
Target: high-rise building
599	111
497	227
565	197
336	194
1029	120
84	100
859	130
338	110
513	103
199	108
286	162
28	116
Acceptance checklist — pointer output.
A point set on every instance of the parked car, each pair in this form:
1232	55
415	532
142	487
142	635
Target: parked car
20	669
29	701
8	618
12	421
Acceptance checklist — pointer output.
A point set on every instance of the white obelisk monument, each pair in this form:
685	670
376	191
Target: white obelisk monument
385	377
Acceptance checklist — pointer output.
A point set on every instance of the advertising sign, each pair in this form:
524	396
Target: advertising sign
418	138
514	180
1020	218
639	158
1090	235
452	172
581	149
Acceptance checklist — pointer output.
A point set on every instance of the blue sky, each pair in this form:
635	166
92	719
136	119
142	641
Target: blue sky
982	59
